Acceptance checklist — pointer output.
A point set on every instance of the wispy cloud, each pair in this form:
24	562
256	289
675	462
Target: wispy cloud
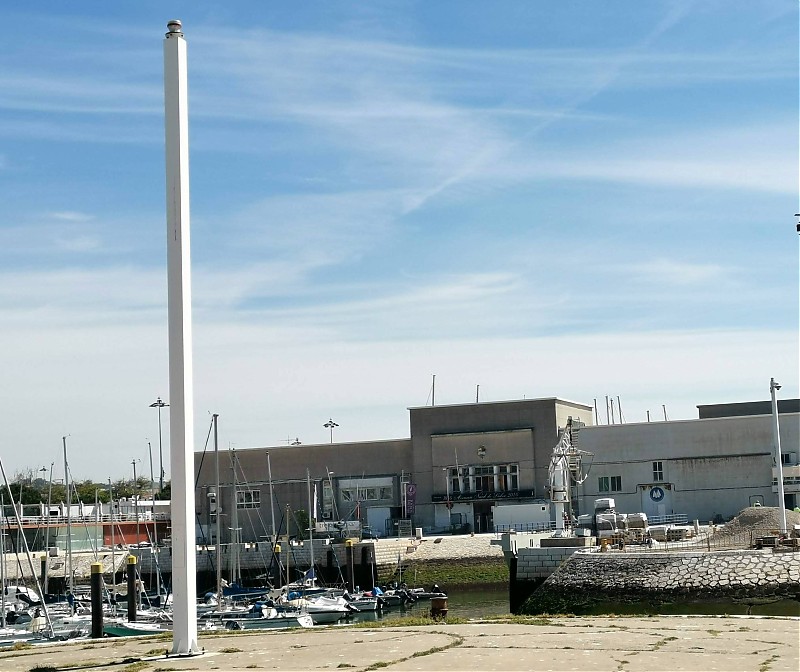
71	216
675	273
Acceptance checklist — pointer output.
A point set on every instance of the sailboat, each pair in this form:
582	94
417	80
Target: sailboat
37	622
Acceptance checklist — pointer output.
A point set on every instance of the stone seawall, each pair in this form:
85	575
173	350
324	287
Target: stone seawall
586	582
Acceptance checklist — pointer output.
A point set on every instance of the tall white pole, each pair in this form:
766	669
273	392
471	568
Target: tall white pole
179	289
271	502
68	578
217	513
776	438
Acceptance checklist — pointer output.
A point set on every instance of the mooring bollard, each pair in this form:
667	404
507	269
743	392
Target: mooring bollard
97	599
438	608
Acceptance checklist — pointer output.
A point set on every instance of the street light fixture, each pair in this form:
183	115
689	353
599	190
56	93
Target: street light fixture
776	437
330	425
159	405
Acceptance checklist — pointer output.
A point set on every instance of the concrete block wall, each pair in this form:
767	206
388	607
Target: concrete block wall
539	563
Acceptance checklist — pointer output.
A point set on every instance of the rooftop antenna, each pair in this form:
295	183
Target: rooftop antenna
619	408
477	393
664	407
596	419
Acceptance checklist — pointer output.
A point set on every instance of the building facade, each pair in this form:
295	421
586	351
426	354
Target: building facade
707	469
459	462
463	461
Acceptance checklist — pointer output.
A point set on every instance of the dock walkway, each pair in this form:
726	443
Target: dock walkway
674	644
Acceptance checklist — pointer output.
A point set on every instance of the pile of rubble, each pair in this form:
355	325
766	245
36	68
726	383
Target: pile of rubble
758	520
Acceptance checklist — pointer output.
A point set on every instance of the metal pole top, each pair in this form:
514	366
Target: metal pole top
175	27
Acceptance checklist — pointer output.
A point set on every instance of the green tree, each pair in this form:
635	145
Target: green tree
89	491
301	520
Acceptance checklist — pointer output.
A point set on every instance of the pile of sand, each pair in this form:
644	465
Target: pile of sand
760	520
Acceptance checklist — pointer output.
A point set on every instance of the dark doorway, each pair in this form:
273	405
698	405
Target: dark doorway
482	517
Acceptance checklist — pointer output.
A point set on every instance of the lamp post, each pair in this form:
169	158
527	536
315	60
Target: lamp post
776	437
330	425
159	405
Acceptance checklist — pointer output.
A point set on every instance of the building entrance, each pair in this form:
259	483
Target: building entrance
482	517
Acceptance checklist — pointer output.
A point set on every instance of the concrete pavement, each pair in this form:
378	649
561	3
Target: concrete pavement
599	644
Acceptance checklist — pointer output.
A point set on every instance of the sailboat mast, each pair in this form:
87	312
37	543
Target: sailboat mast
47	531
234	523
288	547
69	517
113	546
27	551
217	539
271	502
3	563
311	514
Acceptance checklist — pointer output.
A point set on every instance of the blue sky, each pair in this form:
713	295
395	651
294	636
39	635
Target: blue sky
538	198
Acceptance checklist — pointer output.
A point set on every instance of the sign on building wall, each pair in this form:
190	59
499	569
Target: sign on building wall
410	498
474	496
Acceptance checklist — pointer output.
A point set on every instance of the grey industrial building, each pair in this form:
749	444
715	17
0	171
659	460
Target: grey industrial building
463	461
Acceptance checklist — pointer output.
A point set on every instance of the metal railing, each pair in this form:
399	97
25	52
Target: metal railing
43	521
672	519
525	527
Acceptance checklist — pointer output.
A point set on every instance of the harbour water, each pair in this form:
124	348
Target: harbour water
483	603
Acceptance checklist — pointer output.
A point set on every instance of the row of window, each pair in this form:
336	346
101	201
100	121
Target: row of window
248	499
484	478
614	483
378	493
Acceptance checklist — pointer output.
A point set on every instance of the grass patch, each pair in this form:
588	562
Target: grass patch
340	665
406	622
456	641
714	633
43	668
135	667
230	649
764	667
516	619
21	646
156	652
663	642
470	572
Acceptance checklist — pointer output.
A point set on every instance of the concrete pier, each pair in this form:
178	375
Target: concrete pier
652	644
